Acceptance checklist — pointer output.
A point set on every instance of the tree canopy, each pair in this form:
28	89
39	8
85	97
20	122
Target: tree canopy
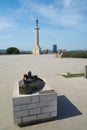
12	50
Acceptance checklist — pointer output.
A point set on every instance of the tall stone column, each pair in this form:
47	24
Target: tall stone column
37	49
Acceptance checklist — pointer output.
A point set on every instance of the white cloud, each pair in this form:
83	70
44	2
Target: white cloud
63	13
6	23
41	9
69	13
66	3
5	36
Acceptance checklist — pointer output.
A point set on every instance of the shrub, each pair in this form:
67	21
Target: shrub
75	54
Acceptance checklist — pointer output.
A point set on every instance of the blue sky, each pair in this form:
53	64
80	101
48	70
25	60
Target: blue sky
61	22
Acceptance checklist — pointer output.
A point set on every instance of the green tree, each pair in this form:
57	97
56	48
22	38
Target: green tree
12	50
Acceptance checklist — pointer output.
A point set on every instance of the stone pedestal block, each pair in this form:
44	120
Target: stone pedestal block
34	107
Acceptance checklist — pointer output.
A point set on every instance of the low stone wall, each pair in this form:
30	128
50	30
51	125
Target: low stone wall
34	107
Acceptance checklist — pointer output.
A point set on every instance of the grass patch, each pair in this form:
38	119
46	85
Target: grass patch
74	75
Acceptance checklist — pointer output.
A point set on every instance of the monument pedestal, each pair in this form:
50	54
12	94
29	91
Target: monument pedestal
35	107
37	50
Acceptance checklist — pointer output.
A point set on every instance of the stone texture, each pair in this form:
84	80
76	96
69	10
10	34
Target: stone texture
44	104
54	103
16	108
48	97
35	99
49	109
44	116
54	114
27	108
29	118
22	100
35	111
21	114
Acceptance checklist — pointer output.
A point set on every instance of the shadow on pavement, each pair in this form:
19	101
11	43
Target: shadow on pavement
65	108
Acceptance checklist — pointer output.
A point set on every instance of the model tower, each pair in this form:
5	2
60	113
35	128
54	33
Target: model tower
37	49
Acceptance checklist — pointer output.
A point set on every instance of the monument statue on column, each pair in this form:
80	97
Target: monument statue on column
37	49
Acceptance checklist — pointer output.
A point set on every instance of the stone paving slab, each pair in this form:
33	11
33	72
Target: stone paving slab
72	93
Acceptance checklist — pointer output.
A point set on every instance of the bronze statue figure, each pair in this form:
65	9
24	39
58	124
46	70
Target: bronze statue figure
32	82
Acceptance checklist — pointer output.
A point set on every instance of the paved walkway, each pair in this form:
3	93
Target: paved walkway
72	93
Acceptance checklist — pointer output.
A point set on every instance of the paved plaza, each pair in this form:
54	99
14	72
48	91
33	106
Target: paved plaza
72	92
